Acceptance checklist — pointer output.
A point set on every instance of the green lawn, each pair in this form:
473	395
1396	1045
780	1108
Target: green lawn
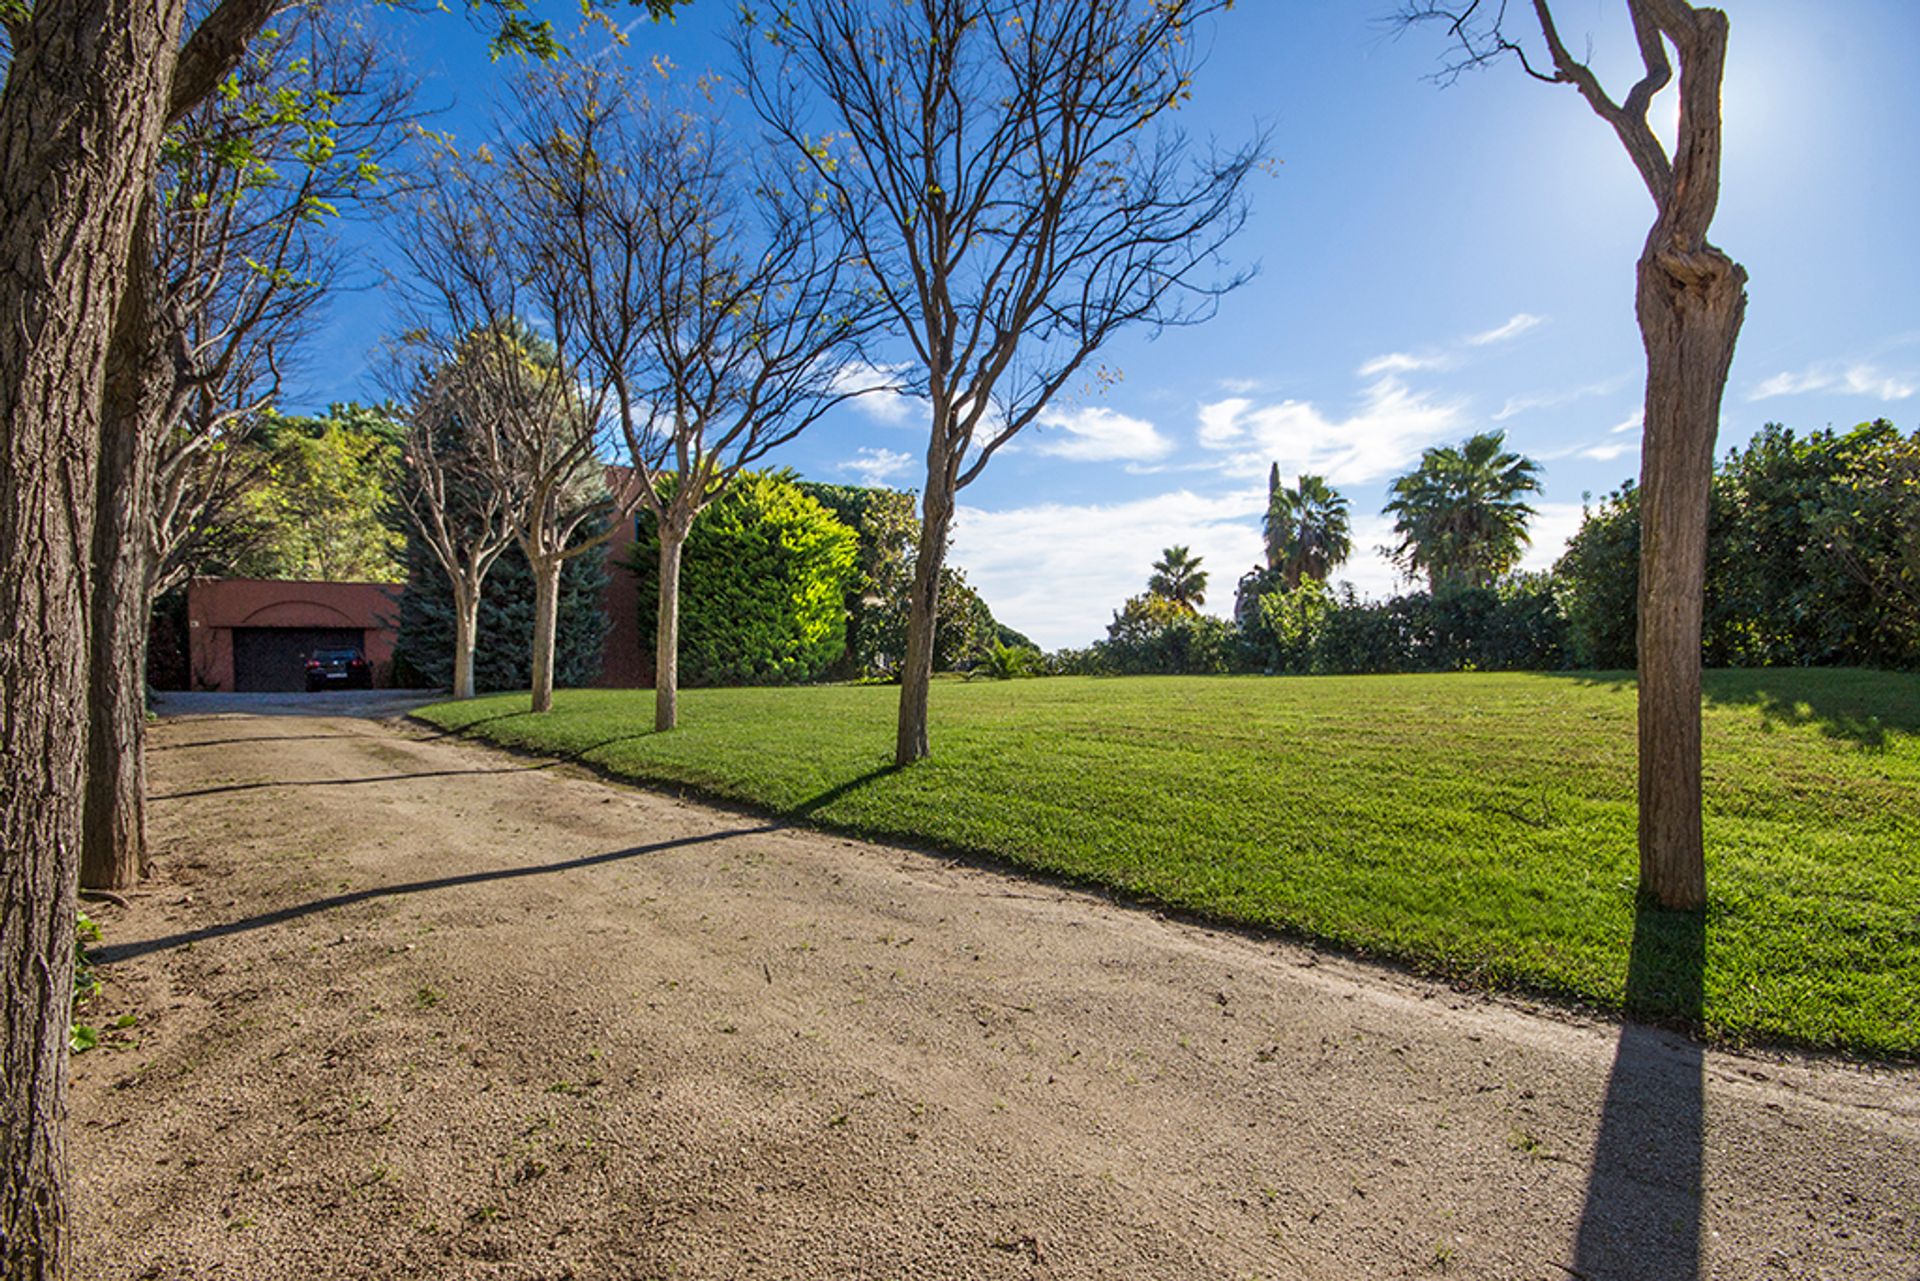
1480	826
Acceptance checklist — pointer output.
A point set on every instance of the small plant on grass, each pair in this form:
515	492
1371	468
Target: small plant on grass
1008	662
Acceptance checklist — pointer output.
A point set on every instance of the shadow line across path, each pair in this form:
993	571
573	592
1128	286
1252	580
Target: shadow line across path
1642	1214
112	953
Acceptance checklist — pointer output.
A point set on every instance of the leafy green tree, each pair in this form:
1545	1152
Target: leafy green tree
878	604
1462	515
325	504
1873	527
766	573
1308	532
1804	556
91	87
1178	578
1154	634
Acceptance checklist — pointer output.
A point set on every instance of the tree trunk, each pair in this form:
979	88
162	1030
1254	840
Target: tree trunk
546	615
666	648
466	632
80	115
1690	306
114	850
923	614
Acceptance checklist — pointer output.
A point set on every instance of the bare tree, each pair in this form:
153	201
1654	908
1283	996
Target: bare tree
719	310
1690	300
234	255
484	274
452	491
1006	169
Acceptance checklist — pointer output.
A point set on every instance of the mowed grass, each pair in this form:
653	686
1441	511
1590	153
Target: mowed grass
1477	826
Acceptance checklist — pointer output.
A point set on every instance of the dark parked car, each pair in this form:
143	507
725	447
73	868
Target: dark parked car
338	669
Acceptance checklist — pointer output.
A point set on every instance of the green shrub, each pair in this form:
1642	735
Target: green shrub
764	579
1803	557
1009	662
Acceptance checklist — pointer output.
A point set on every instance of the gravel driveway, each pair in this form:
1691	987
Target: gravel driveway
405	1007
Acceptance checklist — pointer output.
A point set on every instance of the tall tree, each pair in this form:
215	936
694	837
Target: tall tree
487	283
1461	514
721	312
450	490
1178	579
1690	299
90	86
233	253
1007	171
1307	528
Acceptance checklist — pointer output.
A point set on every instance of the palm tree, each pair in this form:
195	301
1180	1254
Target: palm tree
1177	577
1308	533
1460	514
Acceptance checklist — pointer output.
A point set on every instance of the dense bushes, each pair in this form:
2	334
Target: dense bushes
1516	626
1812	558
877	594
763	586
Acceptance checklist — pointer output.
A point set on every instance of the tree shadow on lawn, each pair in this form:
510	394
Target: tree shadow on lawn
116	952
1643	1203
1847	704
806	809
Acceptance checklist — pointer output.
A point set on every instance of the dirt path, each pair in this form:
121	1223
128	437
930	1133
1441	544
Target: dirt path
408	1008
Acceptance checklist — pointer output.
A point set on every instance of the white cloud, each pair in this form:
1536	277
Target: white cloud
1858	379
1241	386
1400	362
1552	525
1095	434
878	466
882	401
1555	399
1606	453
1518	325
1388	430
1632	422
1057	571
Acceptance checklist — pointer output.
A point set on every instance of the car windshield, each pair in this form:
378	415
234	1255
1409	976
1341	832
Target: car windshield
335	655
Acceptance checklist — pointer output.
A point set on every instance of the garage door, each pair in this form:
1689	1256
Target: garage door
274	659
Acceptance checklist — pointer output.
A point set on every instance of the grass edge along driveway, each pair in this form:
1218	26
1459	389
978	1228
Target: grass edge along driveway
1476	826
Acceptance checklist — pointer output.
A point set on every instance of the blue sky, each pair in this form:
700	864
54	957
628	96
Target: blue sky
1432	262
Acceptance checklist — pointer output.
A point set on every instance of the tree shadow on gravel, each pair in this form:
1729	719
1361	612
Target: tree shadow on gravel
1643	1202
237	742
570	758
116	952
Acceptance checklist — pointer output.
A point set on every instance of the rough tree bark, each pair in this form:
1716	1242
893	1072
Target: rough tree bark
466	632
666	642
114	851
1691	299
86	94
911	741
546	616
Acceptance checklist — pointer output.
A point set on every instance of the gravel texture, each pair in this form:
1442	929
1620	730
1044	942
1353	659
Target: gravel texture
406	1007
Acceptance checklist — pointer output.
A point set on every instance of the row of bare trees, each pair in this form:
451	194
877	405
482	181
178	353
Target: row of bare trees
613	277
